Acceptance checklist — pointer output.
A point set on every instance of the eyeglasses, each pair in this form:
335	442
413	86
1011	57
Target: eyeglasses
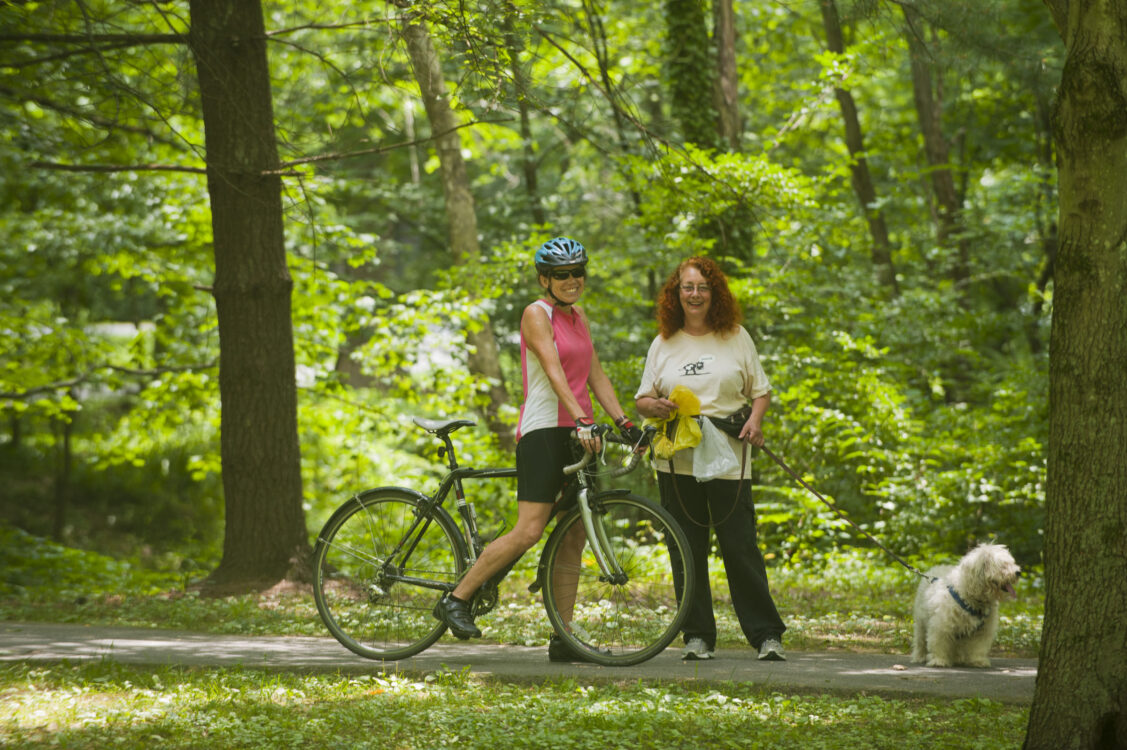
698	288
574	273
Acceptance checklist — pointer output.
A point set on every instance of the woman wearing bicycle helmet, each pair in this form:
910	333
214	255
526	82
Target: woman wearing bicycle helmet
558	366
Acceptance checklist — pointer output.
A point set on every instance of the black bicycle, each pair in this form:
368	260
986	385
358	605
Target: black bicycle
614	572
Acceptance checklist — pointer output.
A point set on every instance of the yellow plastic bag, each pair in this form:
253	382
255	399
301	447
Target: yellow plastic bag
685	432
688	405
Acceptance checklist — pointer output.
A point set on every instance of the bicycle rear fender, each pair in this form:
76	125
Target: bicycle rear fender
360	497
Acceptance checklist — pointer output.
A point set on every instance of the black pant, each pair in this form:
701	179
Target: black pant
696	506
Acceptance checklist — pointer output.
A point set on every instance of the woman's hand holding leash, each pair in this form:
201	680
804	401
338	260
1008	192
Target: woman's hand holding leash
752	432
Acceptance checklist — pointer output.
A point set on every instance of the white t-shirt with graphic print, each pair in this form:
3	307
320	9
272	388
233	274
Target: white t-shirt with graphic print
723	370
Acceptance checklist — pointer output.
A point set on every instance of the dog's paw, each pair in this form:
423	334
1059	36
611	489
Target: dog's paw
937	662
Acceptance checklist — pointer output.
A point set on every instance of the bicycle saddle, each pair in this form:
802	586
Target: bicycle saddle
442	427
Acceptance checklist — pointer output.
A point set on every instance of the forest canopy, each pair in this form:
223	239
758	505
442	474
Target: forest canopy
909	363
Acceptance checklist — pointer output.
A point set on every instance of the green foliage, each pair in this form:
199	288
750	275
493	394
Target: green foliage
37	569
924	416
107	704
859	601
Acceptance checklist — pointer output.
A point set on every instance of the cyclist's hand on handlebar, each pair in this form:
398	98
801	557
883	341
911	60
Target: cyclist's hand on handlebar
587	432
629	432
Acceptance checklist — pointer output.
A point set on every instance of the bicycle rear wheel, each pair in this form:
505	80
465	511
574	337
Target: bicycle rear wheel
626	621
379	567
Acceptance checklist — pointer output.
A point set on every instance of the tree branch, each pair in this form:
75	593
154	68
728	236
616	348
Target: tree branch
60	385
117	39
99	50
90	117
111	168
379	149
284	169
330	26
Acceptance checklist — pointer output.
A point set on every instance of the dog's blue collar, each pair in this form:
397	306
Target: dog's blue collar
966	607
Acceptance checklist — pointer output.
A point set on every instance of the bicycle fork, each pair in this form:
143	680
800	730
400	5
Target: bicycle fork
600	544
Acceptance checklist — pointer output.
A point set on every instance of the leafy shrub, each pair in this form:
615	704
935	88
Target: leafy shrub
39	569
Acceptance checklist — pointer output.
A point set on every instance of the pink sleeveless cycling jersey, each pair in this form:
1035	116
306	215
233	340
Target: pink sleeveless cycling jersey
541	407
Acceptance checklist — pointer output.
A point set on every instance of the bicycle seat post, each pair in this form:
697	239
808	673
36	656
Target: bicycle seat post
464	507
448	450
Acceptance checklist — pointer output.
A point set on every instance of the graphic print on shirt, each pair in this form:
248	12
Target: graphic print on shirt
698	366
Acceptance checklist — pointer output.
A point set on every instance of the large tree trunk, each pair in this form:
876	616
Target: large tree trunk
691	71
929	111
1081	694
689	66
881	254
265	524
727	74
483	359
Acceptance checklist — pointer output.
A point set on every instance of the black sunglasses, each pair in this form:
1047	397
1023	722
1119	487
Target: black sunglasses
575	273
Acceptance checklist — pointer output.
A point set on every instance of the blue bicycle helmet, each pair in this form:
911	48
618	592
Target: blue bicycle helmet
559	251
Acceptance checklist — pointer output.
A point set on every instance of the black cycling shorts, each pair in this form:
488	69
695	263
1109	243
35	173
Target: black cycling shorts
541	457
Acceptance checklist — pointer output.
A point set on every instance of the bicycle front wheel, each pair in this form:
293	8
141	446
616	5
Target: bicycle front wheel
628	618
380	565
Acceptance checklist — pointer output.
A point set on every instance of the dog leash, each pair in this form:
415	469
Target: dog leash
842	515
708	508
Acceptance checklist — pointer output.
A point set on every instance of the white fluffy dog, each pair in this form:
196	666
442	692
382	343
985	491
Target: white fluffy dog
956	608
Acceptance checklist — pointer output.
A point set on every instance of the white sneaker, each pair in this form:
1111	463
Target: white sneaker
696	650
771	650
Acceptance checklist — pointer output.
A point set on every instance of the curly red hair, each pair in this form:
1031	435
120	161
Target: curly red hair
724	313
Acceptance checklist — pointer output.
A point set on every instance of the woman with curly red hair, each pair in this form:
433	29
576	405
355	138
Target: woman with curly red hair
702	346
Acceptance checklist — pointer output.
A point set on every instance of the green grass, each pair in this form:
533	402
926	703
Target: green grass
110	705
851	601
856	601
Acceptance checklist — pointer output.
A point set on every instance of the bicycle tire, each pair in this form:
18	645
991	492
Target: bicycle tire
360	593
627	622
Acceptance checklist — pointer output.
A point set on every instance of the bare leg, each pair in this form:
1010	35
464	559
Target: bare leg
565	576
532	518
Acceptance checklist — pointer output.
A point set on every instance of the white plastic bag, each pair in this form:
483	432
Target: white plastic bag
714	456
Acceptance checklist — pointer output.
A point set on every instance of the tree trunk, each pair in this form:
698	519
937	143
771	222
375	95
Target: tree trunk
881	254
929	112
1081	695
689	66
484	359
265	524
727	78
63	472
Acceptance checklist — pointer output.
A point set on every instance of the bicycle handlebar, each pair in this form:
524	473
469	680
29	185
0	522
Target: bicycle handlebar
607	432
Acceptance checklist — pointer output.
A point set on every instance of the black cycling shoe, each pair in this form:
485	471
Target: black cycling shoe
560	651
455	614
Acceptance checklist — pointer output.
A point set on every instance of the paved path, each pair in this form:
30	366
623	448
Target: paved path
1007	681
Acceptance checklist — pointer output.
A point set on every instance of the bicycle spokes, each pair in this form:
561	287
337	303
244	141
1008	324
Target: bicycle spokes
618	618
380	572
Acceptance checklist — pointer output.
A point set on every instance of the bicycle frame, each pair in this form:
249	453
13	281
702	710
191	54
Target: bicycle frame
608	564
453	480
384	556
